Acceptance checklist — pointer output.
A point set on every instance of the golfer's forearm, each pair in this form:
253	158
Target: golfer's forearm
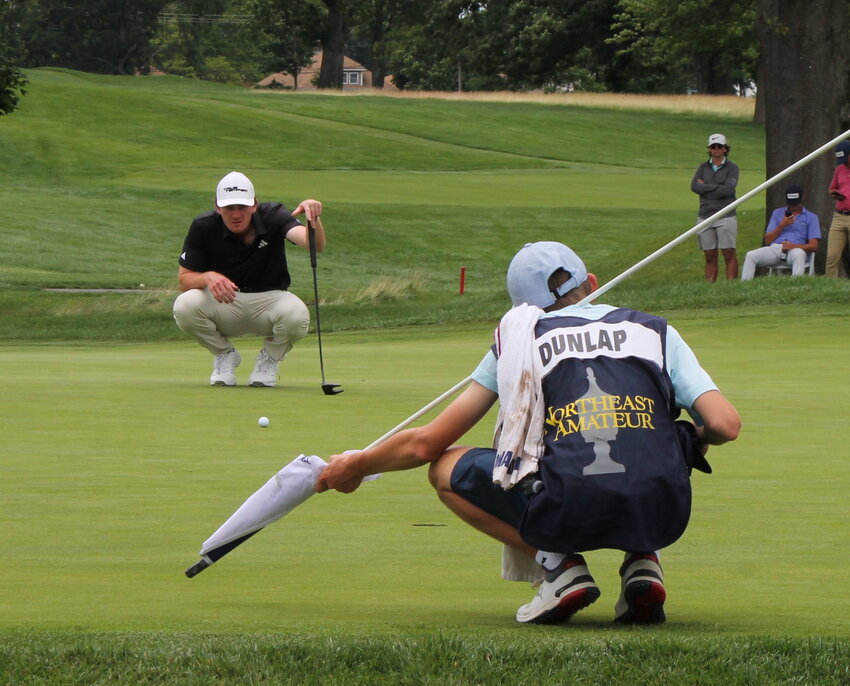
187	279
187	283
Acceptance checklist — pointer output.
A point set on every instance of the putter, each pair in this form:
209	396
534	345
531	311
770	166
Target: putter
327	388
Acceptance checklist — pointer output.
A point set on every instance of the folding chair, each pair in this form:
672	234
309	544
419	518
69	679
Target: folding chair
780	269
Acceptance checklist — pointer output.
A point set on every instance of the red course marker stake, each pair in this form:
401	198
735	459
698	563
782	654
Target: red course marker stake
462	278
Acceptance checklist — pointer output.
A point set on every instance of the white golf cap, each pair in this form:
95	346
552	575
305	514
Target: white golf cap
531	267
234	189
717	138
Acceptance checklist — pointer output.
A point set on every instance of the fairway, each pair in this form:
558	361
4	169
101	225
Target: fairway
120	461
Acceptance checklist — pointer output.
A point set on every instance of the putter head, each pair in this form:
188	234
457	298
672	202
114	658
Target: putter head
331	389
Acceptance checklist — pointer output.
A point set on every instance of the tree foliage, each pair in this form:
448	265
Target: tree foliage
210	39
12	83
12	79
288	33
615	45
104	36
704	47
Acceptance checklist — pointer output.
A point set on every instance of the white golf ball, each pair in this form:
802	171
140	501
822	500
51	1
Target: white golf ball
263	421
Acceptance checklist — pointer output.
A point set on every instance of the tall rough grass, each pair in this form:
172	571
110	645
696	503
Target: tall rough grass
722	105
538	657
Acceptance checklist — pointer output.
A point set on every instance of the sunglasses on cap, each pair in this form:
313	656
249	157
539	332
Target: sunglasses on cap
716	145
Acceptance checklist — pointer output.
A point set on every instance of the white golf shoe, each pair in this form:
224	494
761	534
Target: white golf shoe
642	592
223	369
564	591
265	371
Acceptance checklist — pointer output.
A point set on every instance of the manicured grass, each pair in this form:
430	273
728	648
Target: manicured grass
122	461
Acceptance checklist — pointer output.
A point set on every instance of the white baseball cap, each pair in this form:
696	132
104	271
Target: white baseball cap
531	267
234	189
716	138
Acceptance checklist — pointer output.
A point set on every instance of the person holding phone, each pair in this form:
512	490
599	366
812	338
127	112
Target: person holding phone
791	234
839	189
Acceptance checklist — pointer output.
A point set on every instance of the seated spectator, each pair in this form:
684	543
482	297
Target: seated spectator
791	234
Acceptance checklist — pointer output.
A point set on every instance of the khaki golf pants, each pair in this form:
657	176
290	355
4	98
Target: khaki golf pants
280	316
839	237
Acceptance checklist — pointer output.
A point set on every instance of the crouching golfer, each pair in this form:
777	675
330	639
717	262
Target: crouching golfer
588	451
235	279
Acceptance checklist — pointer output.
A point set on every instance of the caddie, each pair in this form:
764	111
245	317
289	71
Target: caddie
588	452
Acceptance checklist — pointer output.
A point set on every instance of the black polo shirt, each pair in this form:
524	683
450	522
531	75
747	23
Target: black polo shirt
260	266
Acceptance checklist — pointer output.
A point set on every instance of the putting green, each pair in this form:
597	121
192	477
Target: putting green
120	461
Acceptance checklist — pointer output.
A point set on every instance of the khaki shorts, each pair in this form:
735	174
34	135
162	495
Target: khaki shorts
721	234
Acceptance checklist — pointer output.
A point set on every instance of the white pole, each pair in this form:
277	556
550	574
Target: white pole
416	415
717	215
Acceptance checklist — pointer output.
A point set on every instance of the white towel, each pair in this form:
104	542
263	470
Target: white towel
517	566
518	438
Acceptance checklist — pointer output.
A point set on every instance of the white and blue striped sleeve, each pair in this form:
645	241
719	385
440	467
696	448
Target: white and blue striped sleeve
689	379
485	372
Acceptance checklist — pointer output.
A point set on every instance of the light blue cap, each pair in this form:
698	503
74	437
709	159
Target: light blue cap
531	267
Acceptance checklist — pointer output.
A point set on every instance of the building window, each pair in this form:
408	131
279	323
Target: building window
352	78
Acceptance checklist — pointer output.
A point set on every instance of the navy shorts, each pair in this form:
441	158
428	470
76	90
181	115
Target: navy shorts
472	479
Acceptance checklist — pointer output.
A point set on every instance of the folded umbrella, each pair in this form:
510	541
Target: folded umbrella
285	491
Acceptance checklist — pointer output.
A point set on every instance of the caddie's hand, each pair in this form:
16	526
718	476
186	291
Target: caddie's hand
341	474
311	209
222	288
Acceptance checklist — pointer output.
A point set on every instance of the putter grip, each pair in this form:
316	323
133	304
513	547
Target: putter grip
197	568
311	237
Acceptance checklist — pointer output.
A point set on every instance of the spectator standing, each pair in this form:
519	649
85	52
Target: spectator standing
839	229
714	182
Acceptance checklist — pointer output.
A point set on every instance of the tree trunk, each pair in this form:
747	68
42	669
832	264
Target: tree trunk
804	62
709	79
333	44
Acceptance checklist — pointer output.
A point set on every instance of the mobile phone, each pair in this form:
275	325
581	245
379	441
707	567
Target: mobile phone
787	213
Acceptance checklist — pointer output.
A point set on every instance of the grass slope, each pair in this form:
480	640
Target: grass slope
109	171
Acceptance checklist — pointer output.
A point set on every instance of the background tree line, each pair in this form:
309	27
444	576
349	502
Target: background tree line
641	46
